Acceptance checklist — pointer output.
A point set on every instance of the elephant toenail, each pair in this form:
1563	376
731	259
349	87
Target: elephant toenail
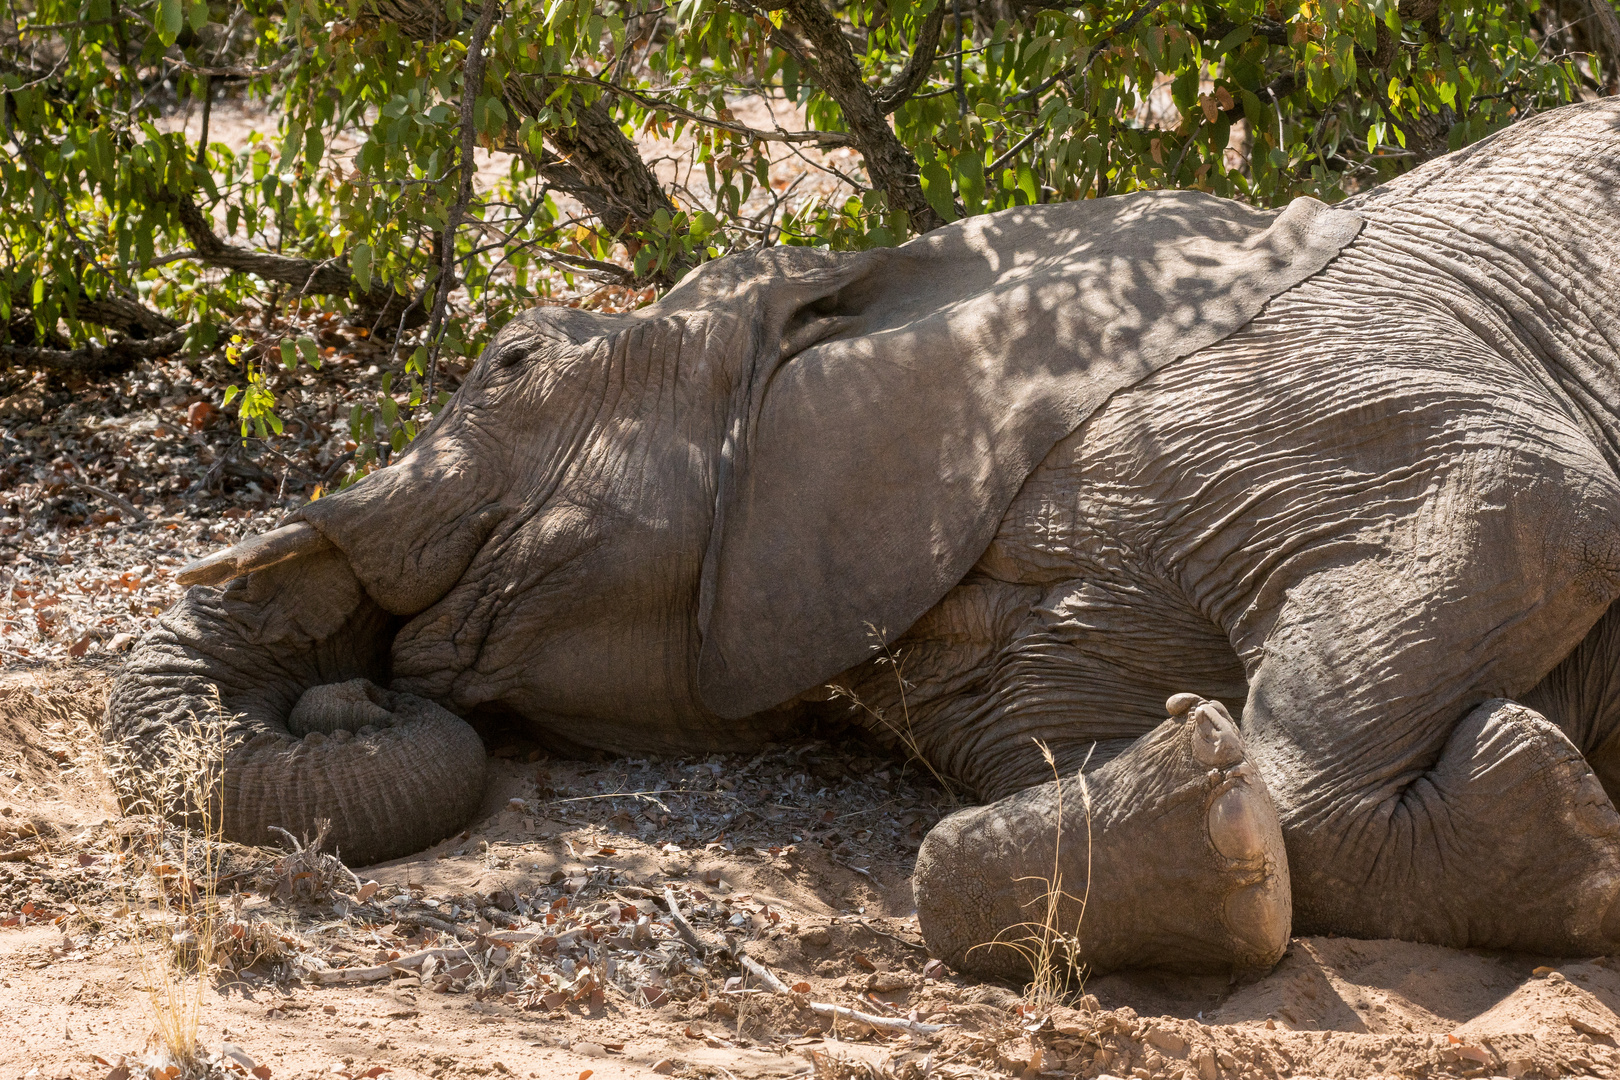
1216	741
1261	917
1610	925
1237	825
1591	808
1181	704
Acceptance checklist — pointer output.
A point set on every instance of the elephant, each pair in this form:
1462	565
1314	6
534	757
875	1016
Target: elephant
1253	569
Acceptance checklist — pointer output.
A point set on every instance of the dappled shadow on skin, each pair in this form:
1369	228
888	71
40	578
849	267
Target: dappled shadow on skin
883	455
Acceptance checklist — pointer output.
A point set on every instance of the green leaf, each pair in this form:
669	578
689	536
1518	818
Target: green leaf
936	185
171	19
1233	40
198	15
360	266
704	225
289	353
230	395
312	355
969	167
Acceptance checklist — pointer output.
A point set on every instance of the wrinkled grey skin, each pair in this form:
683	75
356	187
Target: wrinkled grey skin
1377	524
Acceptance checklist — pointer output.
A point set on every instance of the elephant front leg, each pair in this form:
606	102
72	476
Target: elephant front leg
1169	855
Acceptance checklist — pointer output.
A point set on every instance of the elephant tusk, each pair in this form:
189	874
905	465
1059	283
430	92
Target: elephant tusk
275	546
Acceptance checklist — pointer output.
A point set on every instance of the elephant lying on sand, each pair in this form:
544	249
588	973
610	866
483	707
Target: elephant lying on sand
1356	470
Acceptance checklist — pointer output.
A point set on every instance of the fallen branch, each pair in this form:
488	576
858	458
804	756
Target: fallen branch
915	1027
20	854
887	1023
92	357
894	937
460	933
764	974
383	971
123	505
685	928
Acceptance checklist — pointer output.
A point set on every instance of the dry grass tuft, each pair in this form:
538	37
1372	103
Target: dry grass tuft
308	875
903	730
170	880
1051	950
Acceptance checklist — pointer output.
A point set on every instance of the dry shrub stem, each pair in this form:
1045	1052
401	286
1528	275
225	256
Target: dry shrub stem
308	875
903	731
171	873
1056	965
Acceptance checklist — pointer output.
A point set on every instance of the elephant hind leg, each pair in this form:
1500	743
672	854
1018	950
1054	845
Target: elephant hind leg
1582	696
1507	841
1170	855
1513	801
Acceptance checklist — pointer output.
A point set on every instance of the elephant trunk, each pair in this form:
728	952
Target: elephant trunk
264	704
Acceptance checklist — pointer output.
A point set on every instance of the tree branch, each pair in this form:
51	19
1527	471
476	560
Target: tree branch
307	276
92	357
915	73
892	167
1601	12
234	72
472	82
1095	49
820	138
603	168
595	162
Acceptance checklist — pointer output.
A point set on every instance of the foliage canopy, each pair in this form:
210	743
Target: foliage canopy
624	142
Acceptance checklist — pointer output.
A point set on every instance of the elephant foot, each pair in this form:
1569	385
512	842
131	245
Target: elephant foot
1170	855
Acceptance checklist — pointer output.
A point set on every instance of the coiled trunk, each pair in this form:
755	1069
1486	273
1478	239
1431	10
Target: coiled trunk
263	703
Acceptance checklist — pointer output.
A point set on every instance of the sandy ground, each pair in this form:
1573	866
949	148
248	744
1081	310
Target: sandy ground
556	955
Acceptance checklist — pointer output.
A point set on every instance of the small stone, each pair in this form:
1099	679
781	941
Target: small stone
589	1049
664	1067
1167	1041
817	937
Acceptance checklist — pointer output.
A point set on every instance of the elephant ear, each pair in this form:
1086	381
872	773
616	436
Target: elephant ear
904	411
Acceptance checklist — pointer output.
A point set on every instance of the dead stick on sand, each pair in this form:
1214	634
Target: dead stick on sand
685	928
383	971
915	1027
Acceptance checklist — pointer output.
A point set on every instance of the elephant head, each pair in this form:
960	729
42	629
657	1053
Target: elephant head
646	531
